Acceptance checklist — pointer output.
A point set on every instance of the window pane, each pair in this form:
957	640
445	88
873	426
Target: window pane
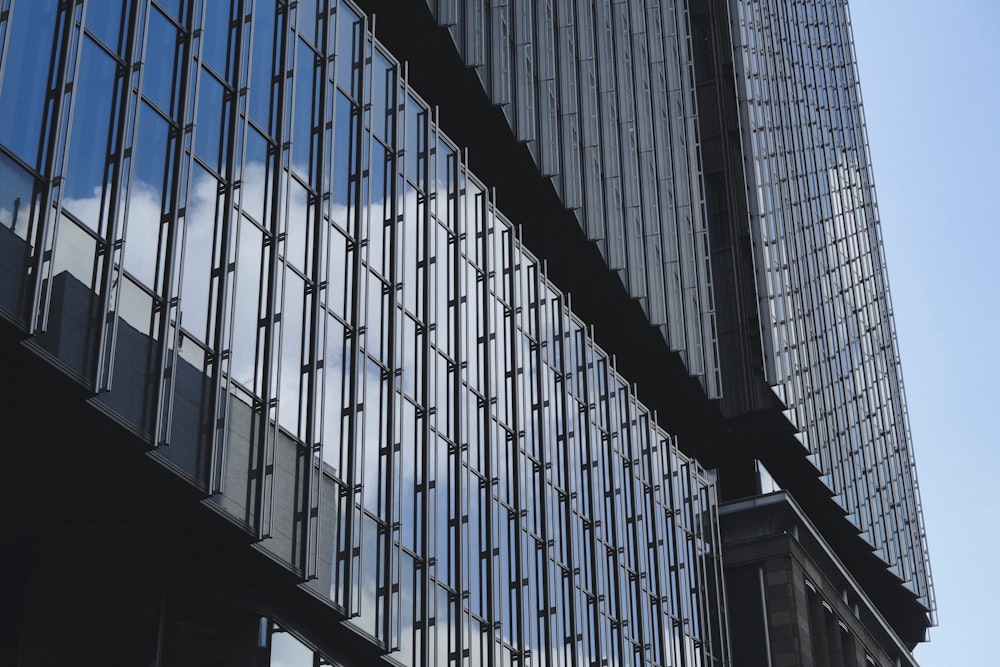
215	38
248	288
104	20
199	235
146	196
88	148
348	49
209	134
297	225
254	190
15	196
137	358
260	77
16	230
287	651
25	73
307	20
76	286
305	80
292	332
343	164
335	378
162	52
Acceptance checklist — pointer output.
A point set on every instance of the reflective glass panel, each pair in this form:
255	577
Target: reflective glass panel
25	73
162	53
88	146
200	224
146	196
104	19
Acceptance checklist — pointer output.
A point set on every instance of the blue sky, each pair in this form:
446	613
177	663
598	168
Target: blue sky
930	78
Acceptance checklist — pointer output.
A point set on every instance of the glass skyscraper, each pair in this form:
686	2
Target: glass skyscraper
832	355
298	387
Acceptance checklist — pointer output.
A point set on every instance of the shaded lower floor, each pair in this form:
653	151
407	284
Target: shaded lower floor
791	601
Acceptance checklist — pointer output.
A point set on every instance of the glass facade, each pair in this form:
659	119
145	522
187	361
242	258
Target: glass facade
602	95
827	316
241	230
794	303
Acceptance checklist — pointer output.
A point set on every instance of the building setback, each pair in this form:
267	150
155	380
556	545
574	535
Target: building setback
507	333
